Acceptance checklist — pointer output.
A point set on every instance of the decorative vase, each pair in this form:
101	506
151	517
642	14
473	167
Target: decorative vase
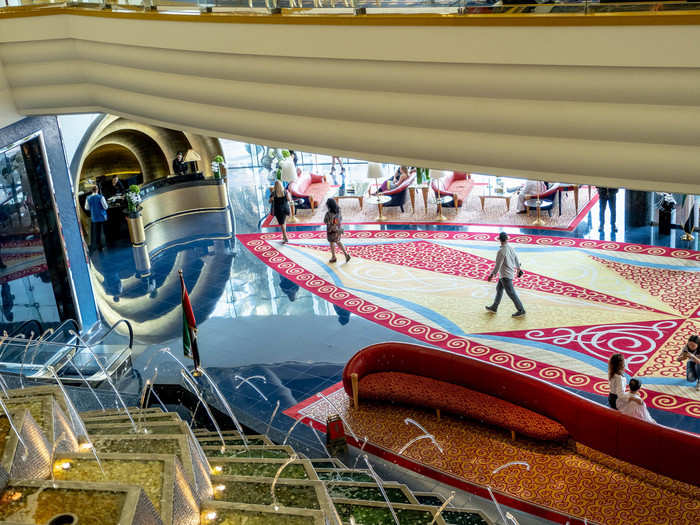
134	222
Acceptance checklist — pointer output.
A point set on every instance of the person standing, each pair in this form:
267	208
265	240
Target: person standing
616	380
607	196
280	199
507	267
97	206
179	166
691	352
334	230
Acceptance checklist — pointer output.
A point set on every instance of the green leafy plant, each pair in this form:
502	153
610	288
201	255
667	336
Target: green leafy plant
133	198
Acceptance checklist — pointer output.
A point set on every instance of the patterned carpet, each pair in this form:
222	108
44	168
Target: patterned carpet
572	479
21	258
494	213
585	300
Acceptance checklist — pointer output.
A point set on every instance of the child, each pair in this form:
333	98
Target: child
333	229
633	405
616	379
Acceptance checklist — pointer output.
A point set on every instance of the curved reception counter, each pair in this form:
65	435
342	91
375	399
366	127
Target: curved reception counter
168	206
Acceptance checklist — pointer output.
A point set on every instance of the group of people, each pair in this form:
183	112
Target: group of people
96	205
631	403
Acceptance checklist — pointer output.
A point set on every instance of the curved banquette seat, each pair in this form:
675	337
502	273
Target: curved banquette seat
664	450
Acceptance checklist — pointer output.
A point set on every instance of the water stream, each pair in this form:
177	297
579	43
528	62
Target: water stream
379	483
291	459
24	356
498	507
226	406
71	355
286	437
184	373
107	376
246	380
76	422
274	413
442	507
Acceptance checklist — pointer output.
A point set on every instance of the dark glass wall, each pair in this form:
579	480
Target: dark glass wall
44	273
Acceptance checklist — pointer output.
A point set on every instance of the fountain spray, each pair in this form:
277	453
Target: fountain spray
274	413
24	356
442	507
193	387
107	376
379	483
291	459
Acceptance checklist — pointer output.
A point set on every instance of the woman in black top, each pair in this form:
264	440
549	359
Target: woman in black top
691	352
280	199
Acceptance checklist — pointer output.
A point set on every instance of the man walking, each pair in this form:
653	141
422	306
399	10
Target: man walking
507	265
607	196
97	206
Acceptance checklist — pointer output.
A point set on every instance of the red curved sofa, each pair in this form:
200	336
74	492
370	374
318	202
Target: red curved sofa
664	450
310	187
455	185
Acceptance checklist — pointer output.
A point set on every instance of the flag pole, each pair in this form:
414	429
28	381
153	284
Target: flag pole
189	329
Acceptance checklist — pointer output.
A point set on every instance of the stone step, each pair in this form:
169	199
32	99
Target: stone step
338	474
378	513
44	501
120	411
161	477
263	468
252	439
244	513
253	451
303	494
123	418
144	426
182	446
396	492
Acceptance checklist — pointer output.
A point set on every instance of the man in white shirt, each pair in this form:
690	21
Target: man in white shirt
507	266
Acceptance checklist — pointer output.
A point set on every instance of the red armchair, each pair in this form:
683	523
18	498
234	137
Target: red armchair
309	187
456	185
398	194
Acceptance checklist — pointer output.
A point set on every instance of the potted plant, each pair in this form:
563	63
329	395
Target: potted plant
421	175
217	167
133	200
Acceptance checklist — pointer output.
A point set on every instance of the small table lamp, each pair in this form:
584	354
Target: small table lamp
289	175
437	175
374	171
191	157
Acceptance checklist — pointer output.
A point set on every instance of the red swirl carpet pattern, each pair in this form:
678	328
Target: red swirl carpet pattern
563	481
585	300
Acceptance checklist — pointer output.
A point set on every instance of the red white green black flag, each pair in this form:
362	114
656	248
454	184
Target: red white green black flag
189	327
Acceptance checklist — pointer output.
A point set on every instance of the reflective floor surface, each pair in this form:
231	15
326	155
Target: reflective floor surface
253	322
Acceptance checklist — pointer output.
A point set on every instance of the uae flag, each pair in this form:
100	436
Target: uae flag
189	327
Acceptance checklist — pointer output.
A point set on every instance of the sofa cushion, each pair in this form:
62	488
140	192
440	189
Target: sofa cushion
317	179
432	393
299	186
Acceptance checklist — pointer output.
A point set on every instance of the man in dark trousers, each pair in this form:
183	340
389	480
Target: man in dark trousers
179	167
97	206
607	196
508	267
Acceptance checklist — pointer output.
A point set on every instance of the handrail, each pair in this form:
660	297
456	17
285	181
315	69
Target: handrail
380	13
61	327
111	329
27	323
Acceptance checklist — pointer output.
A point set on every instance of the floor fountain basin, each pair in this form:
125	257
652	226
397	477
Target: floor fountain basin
327	463
254	451
232	441
377	513
18	462
465	517
145	427
327	474
396	492
41	502
429	498
159	475
31	392
48	414
123	418
183	446
257	491
222	513
262	468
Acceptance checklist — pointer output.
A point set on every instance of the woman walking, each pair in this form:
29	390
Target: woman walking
280	199
333	218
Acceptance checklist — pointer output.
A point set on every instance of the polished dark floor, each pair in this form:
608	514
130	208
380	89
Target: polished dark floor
252	322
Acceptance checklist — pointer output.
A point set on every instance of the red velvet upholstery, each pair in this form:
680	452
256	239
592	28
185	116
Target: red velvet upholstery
664	450
454	184
401	187
309	186
411	389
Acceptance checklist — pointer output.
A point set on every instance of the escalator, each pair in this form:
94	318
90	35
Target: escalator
29	352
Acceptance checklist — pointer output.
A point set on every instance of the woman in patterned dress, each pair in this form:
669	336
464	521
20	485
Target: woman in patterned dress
334	230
